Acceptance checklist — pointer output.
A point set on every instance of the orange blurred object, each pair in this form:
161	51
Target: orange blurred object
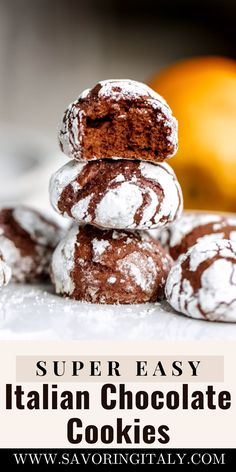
202	94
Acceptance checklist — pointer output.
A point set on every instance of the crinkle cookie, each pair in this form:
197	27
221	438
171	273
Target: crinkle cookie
5	272
27	240
121	118
117	194
109	266
194	227
202	282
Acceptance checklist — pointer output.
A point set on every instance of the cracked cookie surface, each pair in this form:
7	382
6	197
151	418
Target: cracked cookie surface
109	266
27	240
194	227
117	194
202	282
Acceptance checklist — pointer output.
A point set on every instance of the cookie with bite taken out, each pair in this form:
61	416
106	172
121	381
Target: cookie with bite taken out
121	118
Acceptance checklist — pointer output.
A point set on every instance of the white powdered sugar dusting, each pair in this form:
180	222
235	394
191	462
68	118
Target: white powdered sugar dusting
119	203
118	206
118	178
64	176
142	270
200	253
40	230
215	298
99	247
111	280
133	266
186	223
118	234
80	212
76	186
63	262
218	226
20	265
218	288
71	130
176	232
172	203
149	210
128	88
5	273
210	237
231	221
85	93
128	240
233	234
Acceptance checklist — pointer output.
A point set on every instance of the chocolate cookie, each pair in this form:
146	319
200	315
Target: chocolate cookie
109	266
117	194
202	282
119	118
5	272
27	240
191	228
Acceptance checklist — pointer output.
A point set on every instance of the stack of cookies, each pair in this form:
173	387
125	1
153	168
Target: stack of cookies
116	186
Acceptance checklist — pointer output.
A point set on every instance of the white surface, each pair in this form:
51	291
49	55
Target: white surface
34	312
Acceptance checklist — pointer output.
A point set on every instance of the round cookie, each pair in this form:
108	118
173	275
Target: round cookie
109	266
117	194
201	284
121	118
27	240
194	227
5	272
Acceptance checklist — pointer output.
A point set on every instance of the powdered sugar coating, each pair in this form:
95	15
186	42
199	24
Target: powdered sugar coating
109	266
63	262
187	223
143	196
61	178
166	178
26	242
202	283
111	280
5	272
99	246
142	270
122	88
150	211
80	211
40	230
194	227
118	206
71	131
20	265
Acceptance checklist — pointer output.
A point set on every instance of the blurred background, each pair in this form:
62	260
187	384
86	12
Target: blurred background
51	50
